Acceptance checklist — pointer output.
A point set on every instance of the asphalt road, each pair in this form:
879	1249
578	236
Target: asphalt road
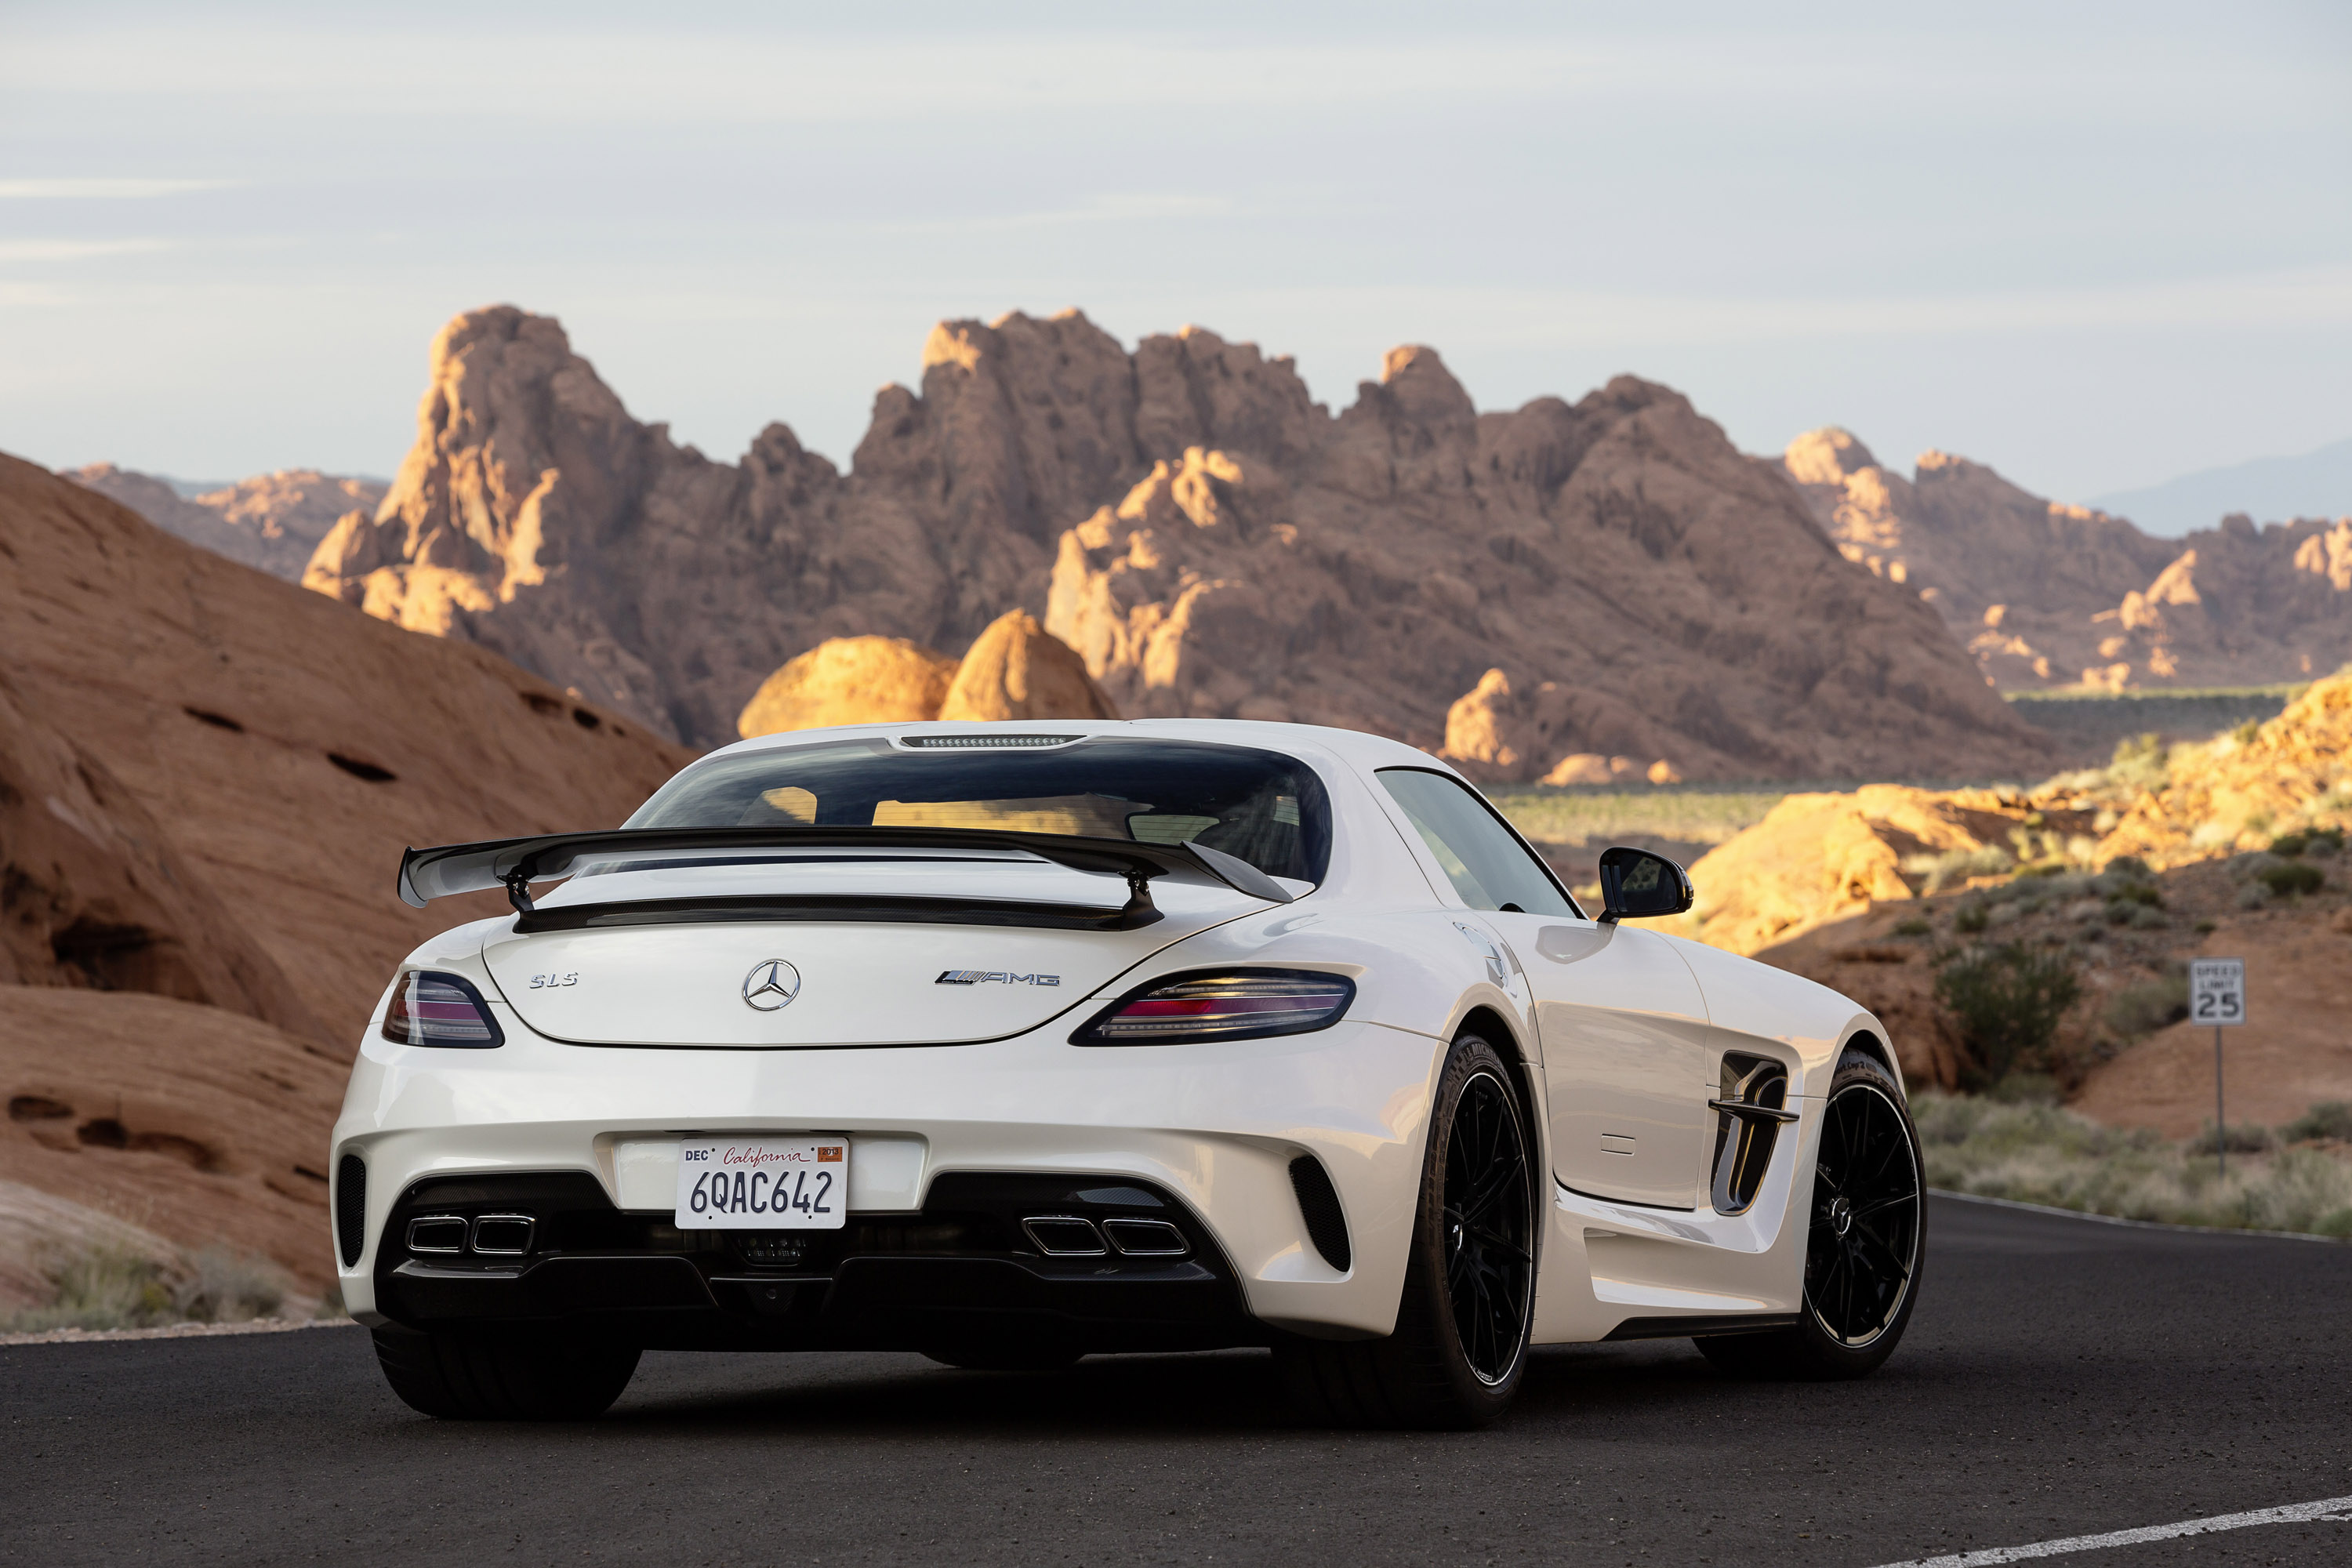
2061	1378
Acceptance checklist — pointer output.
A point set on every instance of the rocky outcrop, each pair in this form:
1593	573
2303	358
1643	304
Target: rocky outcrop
270	522
94	894
207	778
2239	791
1644	591
1816	859
2046	594
1819	859
1208	538
256	758
1014	669
850	680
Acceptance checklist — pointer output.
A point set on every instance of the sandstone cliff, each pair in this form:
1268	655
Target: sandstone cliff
2049	594
1208	538
206	777
272	521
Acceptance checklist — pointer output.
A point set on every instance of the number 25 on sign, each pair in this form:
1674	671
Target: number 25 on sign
2217	996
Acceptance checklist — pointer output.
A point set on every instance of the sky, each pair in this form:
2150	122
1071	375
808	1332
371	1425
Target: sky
2097	245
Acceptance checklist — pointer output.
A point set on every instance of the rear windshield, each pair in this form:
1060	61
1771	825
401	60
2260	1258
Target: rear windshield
1267	808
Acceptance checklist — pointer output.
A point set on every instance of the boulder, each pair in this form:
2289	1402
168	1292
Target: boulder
850	680
1016	670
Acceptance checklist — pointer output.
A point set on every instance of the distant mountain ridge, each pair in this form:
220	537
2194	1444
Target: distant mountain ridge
270	522
2267	489
2047	595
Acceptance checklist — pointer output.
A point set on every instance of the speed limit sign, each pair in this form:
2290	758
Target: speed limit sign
2217	991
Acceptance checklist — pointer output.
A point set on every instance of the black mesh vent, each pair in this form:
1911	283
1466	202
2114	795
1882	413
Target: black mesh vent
1319	1205
350	1209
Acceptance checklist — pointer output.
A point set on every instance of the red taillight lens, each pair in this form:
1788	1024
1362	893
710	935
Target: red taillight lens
429	1009
1235	1004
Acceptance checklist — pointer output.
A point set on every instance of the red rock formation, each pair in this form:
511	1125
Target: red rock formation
1648	592
2046	594
1266	559
206	777
272	521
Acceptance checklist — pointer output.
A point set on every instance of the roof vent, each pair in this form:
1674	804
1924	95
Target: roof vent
984	742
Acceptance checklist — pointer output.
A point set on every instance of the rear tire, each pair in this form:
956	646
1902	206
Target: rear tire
1460	1346
1866	1239
458	1378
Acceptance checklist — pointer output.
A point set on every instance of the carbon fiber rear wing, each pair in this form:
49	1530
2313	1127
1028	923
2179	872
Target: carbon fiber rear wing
515	863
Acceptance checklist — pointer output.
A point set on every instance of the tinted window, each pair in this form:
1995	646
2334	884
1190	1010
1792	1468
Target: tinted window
1264	807
1488	866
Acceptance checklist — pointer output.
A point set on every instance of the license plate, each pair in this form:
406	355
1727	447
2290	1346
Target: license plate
762	1183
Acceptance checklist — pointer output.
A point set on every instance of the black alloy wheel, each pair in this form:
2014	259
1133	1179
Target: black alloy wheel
1460	1345
1865	1241
1864	1245
1489	1255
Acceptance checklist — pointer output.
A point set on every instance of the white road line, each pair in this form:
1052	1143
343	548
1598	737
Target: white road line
2338	1507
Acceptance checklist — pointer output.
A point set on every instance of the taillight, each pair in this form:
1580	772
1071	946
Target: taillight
1231	1005
430	1009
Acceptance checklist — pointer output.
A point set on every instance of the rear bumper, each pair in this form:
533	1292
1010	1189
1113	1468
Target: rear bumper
1212	1130
960	1273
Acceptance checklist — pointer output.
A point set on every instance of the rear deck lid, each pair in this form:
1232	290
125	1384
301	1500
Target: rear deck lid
815	981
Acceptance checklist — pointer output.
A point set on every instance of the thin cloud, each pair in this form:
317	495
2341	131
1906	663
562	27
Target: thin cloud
104	190
78	249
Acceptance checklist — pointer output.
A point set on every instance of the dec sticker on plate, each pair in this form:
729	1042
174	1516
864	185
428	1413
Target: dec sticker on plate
762	1183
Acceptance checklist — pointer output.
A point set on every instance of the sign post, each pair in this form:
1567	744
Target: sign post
2217	996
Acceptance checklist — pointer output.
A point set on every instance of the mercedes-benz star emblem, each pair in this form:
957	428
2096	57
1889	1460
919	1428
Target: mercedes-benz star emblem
770	985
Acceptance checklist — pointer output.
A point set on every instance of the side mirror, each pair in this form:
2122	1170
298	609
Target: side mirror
1639	886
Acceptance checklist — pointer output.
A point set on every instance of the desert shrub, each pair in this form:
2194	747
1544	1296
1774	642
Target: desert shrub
2026	1089
2253	896
2244	733
2327	1119
2291	877
2141	763
101	1286
2040	1153
225	1287
2148	1007
1941	872
1916	925
2244	1138
1970	919
2137	892
2143	918
2007	1002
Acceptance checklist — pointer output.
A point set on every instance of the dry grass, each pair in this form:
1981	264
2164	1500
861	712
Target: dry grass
106	1287
2040	1153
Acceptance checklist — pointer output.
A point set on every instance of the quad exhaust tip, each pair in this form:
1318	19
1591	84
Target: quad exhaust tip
1072	1235
1064	1235
490	1234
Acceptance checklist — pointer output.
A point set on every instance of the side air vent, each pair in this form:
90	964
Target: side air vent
350	1209
1319	1205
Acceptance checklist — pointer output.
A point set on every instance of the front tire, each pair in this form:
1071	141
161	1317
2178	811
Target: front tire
459	1378
1866	1238
1460	1346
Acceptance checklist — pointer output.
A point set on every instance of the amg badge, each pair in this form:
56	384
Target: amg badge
984	976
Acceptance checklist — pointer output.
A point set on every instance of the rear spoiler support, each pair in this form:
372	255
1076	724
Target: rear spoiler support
514	864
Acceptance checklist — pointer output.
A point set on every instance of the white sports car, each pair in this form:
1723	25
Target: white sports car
1010	1046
